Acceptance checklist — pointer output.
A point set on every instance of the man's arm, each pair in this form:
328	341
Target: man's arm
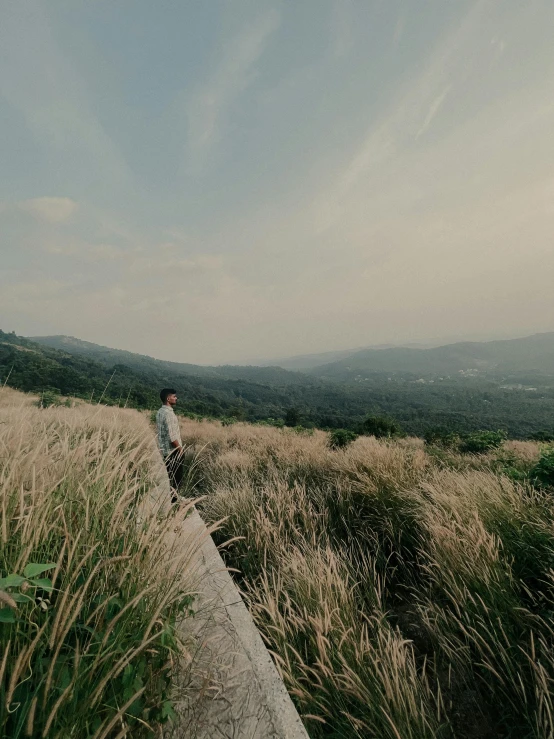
174	432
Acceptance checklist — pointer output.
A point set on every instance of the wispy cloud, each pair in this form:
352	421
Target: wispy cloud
398	31
89	253
408	116
499	44
342	27
173	266
433	110
52	210
234	73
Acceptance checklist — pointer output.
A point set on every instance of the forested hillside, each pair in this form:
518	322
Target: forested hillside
110	357
532	356
260	393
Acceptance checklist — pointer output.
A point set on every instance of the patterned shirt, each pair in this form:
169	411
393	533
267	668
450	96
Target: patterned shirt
168	429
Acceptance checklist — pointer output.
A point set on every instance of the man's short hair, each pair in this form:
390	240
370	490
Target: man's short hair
166	392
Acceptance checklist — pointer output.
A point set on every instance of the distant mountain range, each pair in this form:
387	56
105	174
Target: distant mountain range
303	362
496	359
532	354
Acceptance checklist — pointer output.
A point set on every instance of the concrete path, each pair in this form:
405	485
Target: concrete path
228	687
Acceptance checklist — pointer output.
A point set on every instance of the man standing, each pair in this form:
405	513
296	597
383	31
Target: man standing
169	440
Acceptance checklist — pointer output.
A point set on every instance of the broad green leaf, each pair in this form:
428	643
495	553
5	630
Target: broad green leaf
7	616
128	677
44	582
21	597
136	707
32	570
96	724
167	710
11	581
128	693
141	669
64	677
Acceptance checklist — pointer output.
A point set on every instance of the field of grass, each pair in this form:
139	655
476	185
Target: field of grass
88	595
405	592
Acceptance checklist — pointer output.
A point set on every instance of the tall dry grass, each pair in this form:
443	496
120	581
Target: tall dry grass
403	593
89	597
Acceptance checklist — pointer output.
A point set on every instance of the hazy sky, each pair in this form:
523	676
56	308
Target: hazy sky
219	180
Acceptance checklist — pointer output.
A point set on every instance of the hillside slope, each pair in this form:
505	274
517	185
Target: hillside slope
146	364
85	372
303	362
108	356
531	355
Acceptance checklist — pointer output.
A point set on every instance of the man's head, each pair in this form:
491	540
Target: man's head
168	396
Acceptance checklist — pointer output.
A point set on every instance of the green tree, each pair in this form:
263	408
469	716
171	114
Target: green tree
381	427
542	473
292	417
48	398
441	436
340	438
481	442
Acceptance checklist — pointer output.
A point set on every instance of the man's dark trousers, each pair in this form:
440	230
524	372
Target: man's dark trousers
175	472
